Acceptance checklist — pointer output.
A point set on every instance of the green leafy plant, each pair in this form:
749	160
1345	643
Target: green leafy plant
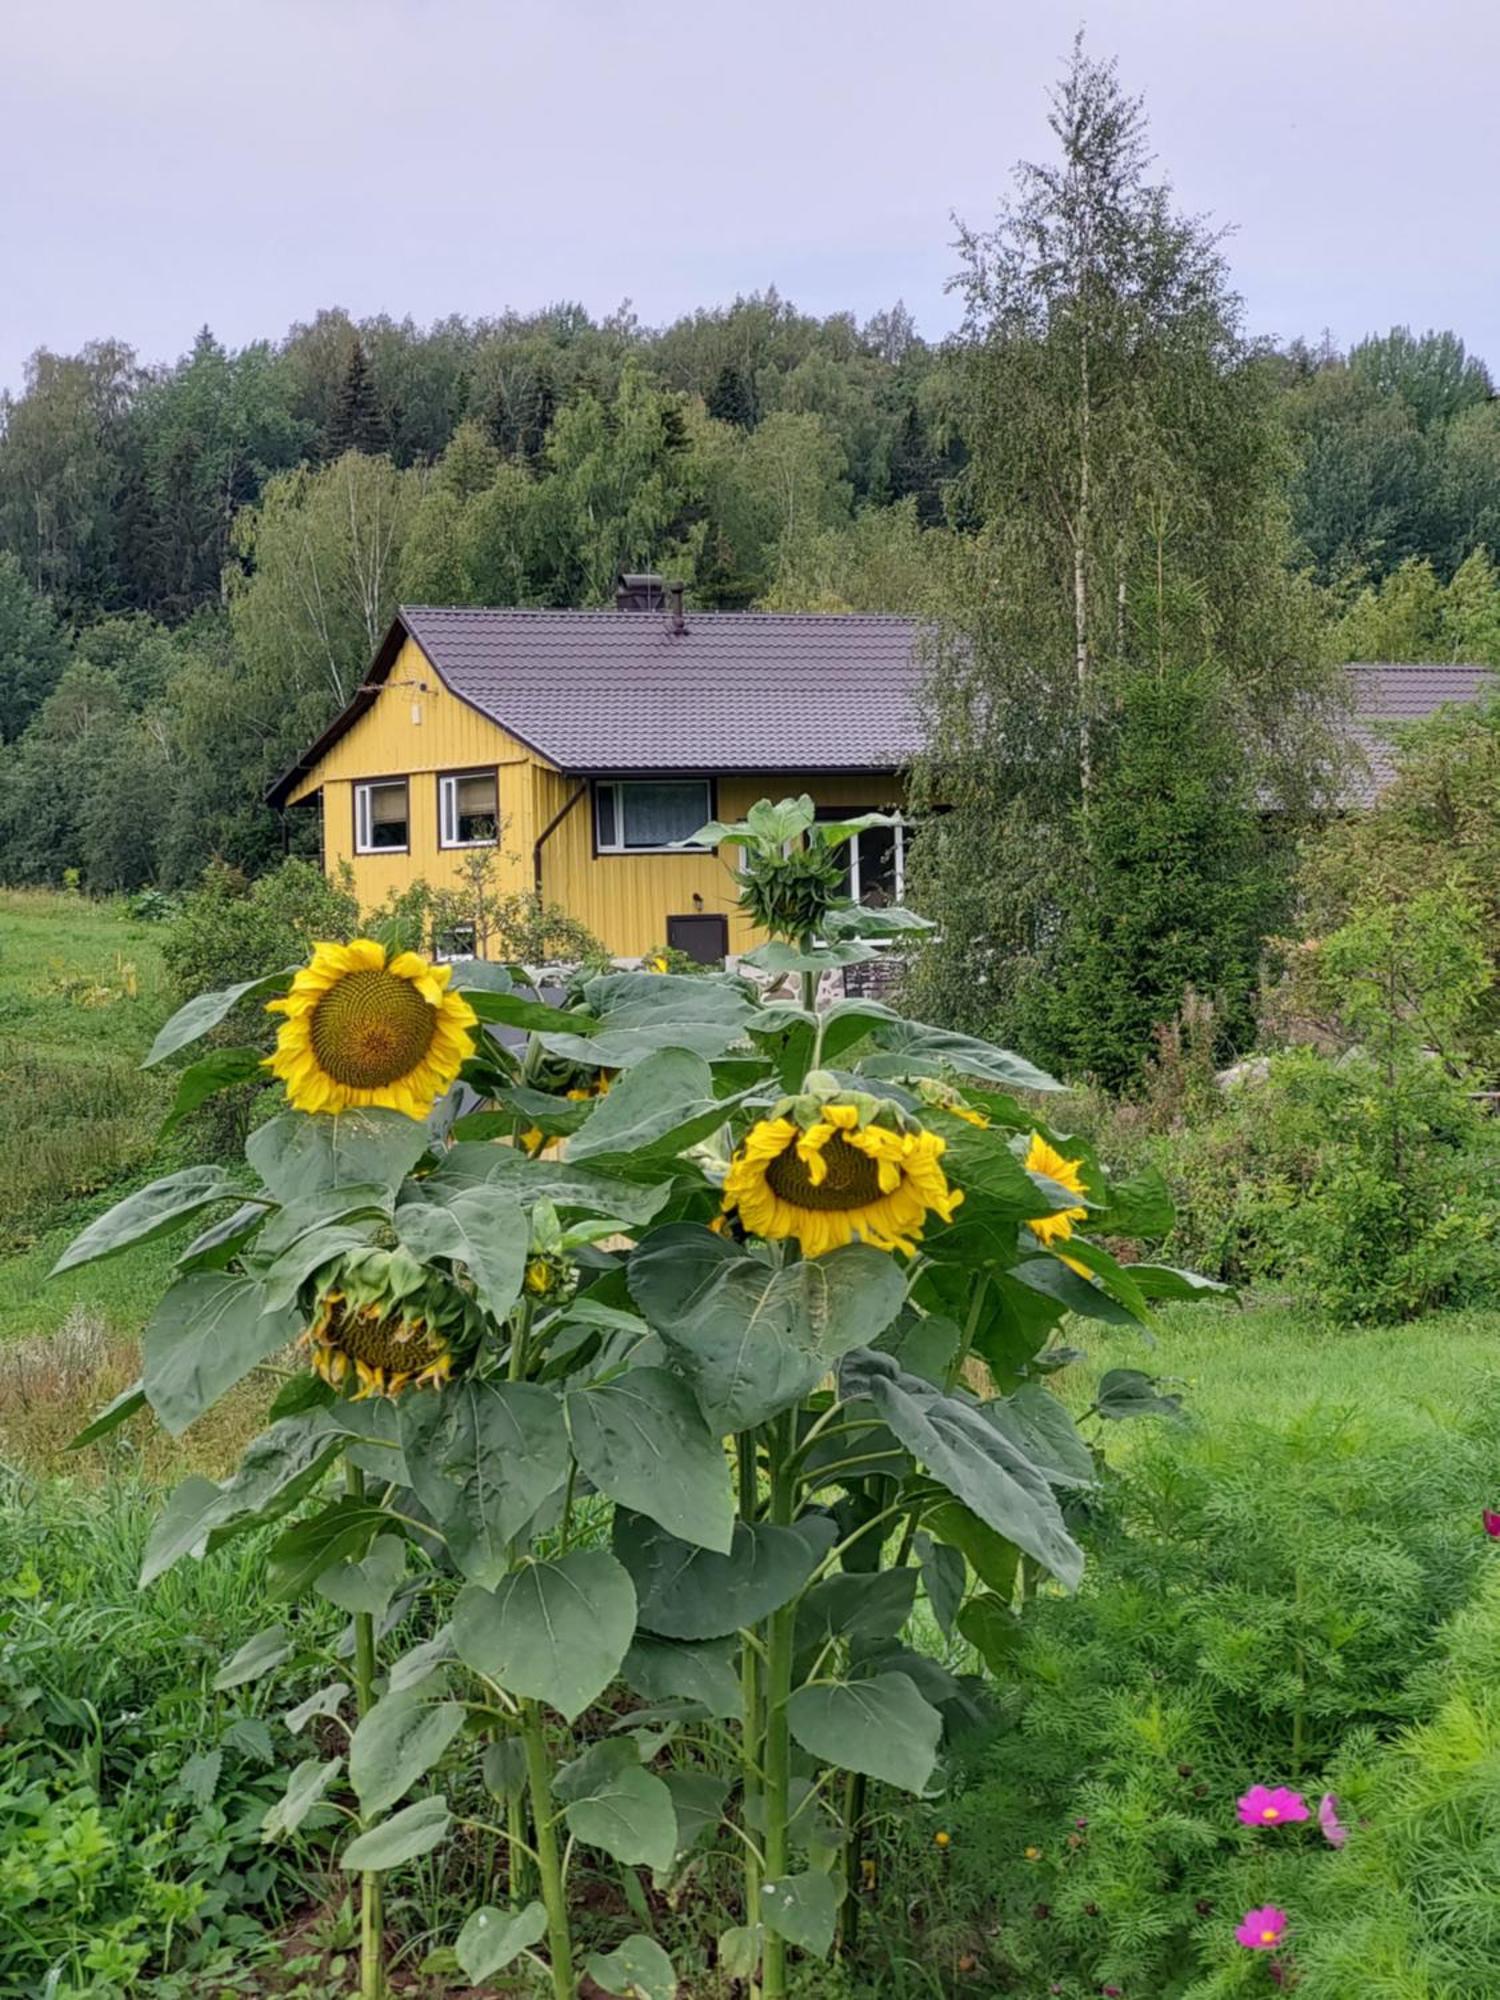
681	1216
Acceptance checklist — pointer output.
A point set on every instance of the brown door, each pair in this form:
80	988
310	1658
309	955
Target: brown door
705	939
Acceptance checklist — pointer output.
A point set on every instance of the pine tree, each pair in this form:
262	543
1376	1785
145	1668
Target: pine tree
356	423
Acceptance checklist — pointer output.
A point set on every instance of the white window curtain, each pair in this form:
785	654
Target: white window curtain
470	810
658	815
638	815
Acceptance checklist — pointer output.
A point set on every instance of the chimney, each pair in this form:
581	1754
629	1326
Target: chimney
676	623
639	590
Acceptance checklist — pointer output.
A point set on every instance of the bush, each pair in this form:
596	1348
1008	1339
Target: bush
230	929
1410	1910
1259	1605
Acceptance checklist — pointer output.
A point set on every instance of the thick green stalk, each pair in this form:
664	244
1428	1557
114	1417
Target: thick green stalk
780	1646
750	1702
371	1927
854	1854
539	1779
520	1834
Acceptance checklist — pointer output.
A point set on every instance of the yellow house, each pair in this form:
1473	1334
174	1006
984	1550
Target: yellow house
584	746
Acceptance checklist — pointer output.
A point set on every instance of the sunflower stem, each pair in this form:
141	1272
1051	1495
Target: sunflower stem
539	1779
777	1757
854	1844
371	1926
750	1703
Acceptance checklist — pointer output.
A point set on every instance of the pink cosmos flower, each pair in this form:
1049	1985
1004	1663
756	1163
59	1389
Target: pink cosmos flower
1334	1830
1271	1805
1491	1523
1262	1930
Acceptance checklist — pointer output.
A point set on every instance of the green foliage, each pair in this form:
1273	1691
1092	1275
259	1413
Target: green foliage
33	646
1184	882
1263	1601
1411	1902
230	928
1398	456
1432	838
1126	475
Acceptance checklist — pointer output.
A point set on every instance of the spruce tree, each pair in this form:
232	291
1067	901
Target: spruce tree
731	399
356	423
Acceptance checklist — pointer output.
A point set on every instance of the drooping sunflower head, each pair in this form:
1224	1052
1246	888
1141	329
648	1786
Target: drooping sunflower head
365	1028
833	1167
1042	1158
381	1325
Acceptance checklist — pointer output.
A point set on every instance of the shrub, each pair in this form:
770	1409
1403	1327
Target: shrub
1410	1910
1257	1603
230	929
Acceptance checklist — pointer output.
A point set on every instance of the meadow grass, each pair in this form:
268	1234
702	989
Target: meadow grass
82	992
1266	1362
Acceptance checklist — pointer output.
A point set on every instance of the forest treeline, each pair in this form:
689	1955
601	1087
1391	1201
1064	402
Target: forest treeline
196	560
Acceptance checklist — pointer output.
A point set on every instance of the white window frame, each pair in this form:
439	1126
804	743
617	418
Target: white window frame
448	784
899	830
618	785
363	820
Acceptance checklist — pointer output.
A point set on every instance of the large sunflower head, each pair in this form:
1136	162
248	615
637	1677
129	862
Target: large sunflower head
365	1028
1042	1158
831	1167
381	1325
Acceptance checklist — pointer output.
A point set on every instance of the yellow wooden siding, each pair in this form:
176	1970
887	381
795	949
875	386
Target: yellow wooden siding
416	730
626	899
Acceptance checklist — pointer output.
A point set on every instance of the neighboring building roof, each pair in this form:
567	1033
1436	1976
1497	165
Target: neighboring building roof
615	692
1387	695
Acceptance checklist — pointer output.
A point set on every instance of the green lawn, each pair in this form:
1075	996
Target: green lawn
1265	1363
82	992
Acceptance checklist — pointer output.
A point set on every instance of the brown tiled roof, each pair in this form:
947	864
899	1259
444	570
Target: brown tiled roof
1388	694
603	692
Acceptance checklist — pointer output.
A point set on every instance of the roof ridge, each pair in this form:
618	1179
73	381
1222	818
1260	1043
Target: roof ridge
640	617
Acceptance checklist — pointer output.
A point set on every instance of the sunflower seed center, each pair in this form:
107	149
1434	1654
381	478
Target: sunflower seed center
852	1180
394	1345
371	1029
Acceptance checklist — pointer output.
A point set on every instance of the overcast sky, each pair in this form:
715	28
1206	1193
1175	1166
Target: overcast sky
168	163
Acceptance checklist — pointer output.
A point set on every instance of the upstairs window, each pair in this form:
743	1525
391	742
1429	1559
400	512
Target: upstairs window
468	809
381	821
641	816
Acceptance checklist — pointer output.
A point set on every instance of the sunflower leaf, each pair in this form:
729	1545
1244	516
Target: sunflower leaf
487	1232
208	1331
555	1631
752	1339
642	1442
206	1010
297	1156
881	1728
210	1074
687	1592
952	1441
152	1211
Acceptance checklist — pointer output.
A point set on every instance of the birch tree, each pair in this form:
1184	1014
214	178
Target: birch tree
1126	479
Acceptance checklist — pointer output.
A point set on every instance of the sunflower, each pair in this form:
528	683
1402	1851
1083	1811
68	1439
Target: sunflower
381	1323
364	1029
382	1352
1046	1160
832	1169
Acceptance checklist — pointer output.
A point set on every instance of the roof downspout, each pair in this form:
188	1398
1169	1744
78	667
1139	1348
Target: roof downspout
547	832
